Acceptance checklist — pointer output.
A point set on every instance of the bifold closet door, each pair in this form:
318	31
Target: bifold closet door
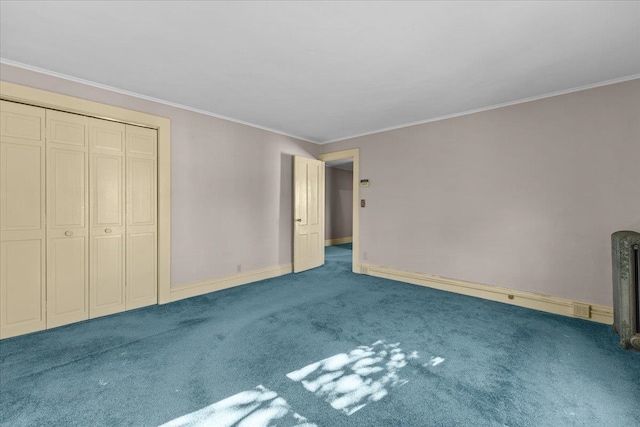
141	217
22	220
107	217
67	218
78	223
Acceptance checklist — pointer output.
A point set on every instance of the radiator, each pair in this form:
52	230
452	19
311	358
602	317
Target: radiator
625	251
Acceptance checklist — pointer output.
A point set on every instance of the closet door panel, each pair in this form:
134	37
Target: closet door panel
107	275
106	136
67	225
21	266
143	191
141	141
67	278
22	124
22	189
22	224
141	217
66	129
107	174
67	189
141	267
107	216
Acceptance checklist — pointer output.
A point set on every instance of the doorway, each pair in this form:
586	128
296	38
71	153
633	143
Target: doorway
339	211
342	223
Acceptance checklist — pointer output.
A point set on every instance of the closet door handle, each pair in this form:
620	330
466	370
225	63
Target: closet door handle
107	230
68	233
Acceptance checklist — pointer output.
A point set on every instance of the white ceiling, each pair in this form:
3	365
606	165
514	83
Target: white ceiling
324	71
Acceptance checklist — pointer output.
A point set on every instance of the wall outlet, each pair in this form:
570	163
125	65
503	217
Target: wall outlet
582	310
365	255
239	268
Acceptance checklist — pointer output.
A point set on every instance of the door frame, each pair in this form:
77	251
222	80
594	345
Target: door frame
55	101
355	155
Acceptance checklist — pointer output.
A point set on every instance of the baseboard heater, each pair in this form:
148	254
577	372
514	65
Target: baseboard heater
625	251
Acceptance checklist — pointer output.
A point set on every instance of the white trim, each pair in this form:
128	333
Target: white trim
490	107
213	285
145	97
338	241
549	304
354	154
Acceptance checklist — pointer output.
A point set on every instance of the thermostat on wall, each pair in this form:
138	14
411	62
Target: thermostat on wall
364	183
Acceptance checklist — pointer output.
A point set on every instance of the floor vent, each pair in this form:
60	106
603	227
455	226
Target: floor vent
582	310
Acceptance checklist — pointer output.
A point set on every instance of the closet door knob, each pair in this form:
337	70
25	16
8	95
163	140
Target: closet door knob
107	230
68	233
299	220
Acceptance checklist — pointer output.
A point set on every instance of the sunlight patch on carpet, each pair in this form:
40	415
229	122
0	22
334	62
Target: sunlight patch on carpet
260	407
434	361
350	381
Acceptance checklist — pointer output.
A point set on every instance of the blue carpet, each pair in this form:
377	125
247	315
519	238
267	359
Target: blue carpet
326	348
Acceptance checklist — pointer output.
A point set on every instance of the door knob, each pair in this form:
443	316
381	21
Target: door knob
68	233
299	220
107	230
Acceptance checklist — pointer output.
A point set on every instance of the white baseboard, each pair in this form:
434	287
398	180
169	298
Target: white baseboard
549	304
212	285
339	241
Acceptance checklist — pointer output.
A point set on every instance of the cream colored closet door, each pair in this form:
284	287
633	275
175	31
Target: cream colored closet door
107	217
67	218
22	221
308	231
142	288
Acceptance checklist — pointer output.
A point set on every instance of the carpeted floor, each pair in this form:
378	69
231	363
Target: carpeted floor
326	348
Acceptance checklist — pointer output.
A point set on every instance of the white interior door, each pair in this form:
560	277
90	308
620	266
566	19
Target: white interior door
22	220
107	218
308	230
67	218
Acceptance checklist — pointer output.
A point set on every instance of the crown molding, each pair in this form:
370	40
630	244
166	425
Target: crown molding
242	122
491	107
145	97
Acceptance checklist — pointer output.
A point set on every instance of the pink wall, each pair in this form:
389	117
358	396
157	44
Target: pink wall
338	203
524	196
231	184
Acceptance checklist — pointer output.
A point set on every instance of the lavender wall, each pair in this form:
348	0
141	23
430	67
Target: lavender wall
338	203
231	184
524	196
